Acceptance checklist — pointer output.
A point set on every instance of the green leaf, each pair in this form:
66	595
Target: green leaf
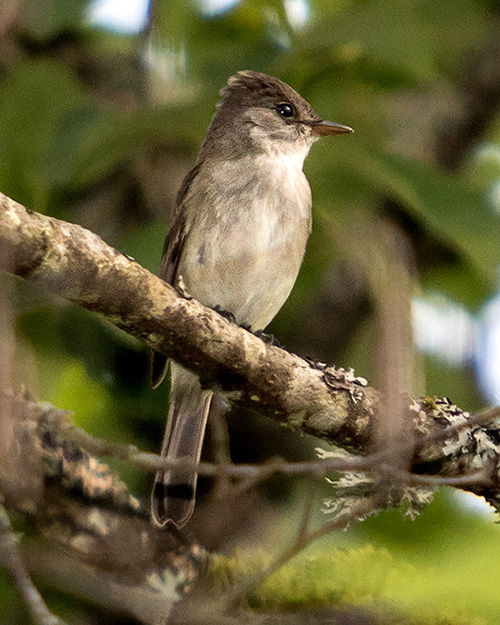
484	166
456	27
374	31
145	244
447	204
103	140
46	18
33	99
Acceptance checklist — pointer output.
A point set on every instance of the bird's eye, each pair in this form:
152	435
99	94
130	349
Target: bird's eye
285	109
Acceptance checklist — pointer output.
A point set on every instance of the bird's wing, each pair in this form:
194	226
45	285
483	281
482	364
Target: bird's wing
172	253
174	243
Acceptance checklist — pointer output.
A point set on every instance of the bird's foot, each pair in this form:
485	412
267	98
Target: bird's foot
227	314
269	339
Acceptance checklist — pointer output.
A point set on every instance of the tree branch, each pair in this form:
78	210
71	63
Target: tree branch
9	553
76	264
94	539
330	403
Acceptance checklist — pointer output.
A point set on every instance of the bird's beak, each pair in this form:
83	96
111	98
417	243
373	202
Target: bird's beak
322	128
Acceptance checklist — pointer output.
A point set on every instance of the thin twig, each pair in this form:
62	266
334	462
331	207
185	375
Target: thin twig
303	529
472	479
36	606
301	542
248	475
154	462
319	468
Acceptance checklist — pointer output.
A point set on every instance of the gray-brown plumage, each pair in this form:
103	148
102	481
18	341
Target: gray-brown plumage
238	237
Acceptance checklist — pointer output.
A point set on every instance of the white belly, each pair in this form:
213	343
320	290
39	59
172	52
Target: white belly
245	248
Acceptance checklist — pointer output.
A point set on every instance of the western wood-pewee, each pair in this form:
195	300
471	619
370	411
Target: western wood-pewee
238	237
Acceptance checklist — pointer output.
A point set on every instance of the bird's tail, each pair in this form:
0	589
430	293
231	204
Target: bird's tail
173	496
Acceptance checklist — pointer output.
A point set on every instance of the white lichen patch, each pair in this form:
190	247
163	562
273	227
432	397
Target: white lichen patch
167	582
97	522
14	211
253	349
486	449
456	442
353	487
157	304
83	543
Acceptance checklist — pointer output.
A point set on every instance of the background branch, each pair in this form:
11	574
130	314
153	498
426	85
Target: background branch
13	562
96	540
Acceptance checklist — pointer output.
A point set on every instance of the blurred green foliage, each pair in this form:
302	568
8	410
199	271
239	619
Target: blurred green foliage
99	128
421	570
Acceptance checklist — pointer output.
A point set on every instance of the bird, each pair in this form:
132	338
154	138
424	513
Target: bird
237	239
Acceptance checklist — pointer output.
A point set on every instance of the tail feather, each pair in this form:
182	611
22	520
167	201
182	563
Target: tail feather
173	496
159	367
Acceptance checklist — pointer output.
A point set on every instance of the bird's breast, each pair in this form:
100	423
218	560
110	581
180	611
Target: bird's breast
248	239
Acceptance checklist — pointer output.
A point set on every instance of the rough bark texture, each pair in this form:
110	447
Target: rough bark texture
94	539
330	403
